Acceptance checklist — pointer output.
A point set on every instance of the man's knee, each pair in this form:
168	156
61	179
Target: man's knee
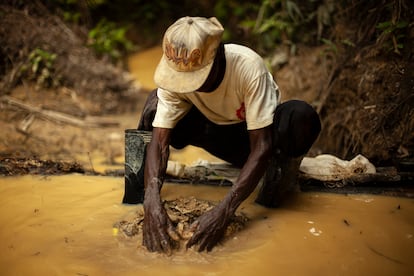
307	117
298	126
310	122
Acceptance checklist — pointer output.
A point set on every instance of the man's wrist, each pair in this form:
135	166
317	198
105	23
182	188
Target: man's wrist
154	185
232	202
156	182
152	191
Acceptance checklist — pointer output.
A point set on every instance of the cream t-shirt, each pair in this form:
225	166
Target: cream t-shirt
247	93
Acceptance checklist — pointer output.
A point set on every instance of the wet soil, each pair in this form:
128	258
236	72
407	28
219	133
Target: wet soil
22	166
27	136
182	212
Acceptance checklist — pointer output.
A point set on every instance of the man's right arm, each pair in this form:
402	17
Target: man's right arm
156	159
158	231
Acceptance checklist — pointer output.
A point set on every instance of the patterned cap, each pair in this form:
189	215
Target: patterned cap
189	48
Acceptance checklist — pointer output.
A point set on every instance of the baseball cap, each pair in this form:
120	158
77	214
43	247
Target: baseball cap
189	48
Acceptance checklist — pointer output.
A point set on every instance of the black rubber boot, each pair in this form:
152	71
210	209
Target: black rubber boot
135	146
280	181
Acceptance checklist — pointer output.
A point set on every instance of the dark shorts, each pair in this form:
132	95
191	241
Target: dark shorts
296	126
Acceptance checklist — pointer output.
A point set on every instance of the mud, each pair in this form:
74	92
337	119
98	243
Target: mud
182	211
22	166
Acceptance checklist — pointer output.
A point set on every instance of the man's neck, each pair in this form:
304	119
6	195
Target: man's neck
217	72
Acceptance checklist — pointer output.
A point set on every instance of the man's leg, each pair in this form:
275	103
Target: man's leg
227	142
296	127
148	112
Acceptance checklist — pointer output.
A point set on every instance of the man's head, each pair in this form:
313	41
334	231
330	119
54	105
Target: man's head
189	48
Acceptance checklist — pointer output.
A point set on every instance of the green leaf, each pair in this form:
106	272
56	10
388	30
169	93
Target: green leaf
35	66
401	24
348	42
384	25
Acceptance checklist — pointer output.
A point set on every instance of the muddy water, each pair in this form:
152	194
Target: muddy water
63	225
142	66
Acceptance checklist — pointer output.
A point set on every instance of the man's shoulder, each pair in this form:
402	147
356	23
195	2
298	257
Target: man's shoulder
243	60
234	50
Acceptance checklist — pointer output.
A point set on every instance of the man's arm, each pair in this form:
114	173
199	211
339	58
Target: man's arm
253	169
158	231
209	229
156	159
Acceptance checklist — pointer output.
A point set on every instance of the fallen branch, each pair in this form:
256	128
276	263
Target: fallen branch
60	117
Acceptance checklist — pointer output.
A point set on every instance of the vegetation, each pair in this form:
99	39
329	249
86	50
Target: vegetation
362	55
393	35
115	28
39	68
108	39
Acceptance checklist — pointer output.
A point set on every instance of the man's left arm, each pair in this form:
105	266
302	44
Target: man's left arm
210	228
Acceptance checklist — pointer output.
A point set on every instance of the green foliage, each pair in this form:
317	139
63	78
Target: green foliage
73	17
108	39
392	34
348	43
68	7
277	22
272	22
331	46
235	16
39	67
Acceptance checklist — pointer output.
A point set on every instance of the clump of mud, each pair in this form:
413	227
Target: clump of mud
182	212
22	166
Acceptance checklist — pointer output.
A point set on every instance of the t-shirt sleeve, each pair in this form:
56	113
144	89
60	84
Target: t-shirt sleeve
171	108
261	101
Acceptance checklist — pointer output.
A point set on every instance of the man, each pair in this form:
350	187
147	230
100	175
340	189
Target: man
223	99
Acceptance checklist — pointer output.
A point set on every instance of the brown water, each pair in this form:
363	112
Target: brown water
142	66
63	225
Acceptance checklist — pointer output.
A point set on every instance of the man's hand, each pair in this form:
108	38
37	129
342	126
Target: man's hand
158	231
209	229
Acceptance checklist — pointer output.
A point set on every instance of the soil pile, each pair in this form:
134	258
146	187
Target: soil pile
370	110
38	47
48	74
368	102
21	166
361	82
182	212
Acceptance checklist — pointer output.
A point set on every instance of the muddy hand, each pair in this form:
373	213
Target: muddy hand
208	230
158	232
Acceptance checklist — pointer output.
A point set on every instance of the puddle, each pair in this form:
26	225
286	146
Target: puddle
63	225
142	66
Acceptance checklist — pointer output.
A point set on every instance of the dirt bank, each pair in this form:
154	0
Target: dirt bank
363	93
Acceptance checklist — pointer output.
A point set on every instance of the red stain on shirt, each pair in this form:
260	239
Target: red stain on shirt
241	112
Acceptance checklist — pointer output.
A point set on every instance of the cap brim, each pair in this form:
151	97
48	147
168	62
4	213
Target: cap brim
181	82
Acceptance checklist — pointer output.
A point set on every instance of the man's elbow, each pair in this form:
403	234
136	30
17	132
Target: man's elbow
267	151
264	151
